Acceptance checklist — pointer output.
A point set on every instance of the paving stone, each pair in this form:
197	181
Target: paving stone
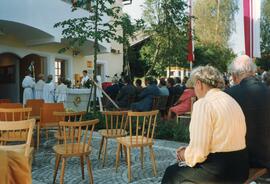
44	162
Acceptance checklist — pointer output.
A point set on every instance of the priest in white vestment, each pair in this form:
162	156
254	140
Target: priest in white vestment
61	92
39	87
49	90
28	84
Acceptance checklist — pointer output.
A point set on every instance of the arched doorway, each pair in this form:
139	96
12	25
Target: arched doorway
25	63
9	76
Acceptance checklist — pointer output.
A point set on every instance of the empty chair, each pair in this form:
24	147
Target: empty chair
47	119
75	147
141	132
35	104
116	122
70	117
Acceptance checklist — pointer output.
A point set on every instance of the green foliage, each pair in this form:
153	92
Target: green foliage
214	21
167	26
264	61
214	55
96	115
170	130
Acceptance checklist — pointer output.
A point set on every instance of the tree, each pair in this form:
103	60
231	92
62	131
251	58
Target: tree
214	21
129	30
264	61
78	30
167	27
214	55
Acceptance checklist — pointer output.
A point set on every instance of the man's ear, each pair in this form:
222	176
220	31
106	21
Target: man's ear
235	79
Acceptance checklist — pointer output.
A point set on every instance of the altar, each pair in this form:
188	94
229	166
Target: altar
77	99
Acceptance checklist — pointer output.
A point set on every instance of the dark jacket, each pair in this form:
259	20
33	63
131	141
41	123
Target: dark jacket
254	98
146	98
124	94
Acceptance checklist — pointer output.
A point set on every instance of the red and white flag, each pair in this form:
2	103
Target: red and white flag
251	28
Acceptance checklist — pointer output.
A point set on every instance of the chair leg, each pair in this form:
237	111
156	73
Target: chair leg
62	171
38	135
57	161
152	155
101	146
129	164
90	173
105	152
82	166
142	157
117	156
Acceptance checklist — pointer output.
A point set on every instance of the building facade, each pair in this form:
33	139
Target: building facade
27	35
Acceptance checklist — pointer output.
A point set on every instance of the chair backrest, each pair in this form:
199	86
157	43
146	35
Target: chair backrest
77	135
8	128
14	114
5	101
116	121
142	124
155	102
35	104
11	105
70	116
47	110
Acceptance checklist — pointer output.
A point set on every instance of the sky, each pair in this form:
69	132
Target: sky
135	10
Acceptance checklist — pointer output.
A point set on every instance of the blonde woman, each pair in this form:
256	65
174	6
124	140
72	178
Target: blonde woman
217	149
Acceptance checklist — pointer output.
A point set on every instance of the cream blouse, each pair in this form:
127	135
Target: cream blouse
217	125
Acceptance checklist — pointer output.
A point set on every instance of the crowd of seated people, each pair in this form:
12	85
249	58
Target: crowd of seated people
135	97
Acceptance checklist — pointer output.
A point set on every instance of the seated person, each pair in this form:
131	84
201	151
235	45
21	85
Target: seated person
163	90
183	104
178	86
126	92
146	96
138	86
113	90
217	149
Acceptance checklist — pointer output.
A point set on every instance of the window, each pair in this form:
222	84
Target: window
59	69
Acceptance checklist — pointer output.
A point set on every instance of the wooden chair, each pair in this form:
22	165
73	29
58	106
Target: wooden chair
116	122
254	173
14	114
140	137
72	147
35	104
70	117
9	128
187	115
47	119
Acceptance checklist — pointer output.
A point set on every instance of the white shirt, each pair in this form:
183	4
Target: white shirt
28	84
48	92
39	89
61	93
84	79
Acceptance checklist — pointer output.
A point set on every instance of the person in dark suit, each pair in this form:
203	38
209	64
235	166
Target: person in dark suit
146	96
126	92
254	98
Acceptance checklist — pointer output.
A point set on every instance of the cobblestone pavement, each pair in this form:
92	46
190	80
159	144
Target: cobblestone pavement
44	162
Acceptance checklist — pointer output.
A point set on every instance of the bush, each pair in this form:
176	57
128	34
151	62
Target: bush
170	130
96	115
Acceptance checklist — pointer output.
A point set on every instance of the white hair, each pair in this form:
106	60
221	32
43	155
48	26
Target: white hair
242	67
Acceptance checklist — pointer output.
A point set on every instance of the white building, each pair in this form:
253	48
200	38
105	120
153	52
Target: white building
27	34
